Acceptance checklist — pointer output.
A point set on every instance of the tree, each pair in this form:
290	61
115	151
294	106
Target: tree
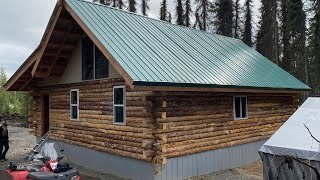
12	102
247	34
179	13
114	3
105	2
4	96
187	14
144	7
169	19
285	62
163	10
202	14
236	27
224	16
120	4
132	6
268	36
295	26
314	45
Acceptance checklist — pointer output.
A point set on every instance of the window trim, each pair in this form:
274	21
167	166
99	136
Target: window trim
234	108
72	105
123	87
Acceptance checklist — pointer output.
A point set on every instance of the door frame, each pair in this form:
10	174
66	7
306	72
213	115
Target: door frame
44	130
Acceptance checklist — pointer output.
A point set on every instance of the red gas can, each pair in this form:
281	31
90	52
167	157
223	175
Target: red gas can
18	175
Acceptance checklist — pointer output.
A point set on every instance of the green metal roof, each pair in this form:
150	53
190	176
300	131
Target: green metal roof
155	52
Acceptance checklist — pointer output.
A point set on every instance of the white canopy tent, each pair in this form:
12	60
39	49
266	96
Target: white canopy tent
292	153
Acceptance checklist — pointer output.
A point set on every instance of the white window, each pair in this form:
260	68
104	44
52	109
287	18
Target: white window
119	105
240	107
74	104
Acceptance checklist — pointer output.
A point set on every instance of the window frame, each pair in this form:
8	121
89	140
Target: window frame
123	87
73	105
234	108
94	63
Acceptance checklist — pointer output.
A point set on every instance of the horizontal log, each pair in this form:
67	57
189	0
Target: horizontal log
215	141
223	134
210	132
104	149
100	138
218	146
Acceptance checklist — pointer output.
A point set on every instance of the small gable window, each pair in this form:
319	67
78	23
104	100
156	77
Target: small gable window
94	64
74	104
240	107
119	105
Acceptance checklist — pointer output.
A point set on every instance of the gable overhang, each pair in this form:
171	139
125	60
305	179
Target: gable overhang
101	47
26	70
23	72
33	67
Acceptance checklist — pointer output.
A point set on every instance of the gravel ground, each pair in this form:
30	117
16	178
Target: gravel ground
21	142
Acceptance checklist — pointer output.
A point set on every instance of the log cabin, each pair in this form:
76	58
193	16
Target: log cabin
145	99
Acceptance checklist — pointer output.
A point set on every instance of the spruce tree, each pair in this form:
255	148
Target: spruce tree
187	14
224	16
268	36
104	2
163	10
202	14
314	46
114	3
236	28
144	7
120	4
132	6
179	13
296	29
247	34
169	17
285	62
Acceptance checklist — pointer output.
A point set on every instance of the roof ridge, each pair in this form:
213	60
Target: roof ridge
147	17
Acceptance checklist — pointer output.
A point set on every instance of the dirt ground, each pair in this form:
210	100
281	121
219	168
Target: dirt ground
249	172
22	142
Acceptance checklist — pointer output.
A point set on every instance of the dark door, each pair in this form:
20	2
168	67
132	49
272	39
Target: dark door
45	113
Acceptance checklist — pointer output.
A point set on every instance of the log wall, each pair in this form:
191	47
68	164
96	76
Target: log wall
95	128
167	124
196	122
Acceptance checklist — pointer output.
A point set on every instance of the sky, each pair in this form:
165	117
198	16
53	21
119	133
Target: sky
22	24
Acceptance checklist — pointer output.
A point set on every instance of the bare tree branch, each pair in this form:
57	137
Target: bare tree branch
309	165
311	134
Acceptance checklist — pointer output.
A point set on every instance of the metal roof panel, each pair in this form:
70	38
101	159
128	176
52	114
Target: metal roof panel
155	51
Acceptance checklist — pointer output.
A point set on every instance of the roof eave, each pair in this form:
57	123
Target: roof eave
26	64
32	58
167	86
